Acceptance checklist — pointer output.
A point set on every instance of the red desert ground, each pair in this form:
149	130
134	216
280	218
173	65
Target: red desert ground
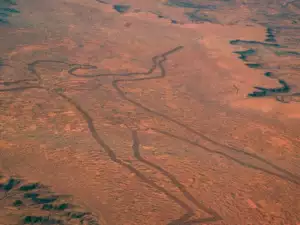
150	112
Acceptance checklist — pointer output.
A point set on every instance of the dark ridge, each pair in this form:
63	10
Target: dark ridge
40	220
29	187
60	207
121	8
10	184
17	203
254	65
238	42
244	54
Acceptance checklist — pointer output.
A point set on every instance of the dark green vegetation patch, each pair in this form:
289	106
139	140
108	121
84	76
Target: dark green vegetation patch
29	187
17	203
270	36
121	8
6	10
33	200
59	207
40	220
11	183
270	91
238	42
189	5
244	54
254	65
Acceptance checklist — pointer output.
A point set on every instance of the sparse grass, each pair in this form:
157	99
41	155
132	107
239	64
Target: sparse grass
60	90
77	215
115	111
194	17
287	53
254	65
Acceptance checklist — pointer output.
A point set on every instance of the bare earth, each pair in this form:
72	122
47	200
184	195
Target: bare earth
150	112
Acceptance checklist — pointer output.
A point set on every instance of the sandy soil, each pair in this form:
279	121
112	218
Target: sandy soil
149	112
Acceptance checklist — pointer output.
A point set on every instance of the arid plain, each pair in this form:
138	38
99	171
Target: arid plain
147	112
